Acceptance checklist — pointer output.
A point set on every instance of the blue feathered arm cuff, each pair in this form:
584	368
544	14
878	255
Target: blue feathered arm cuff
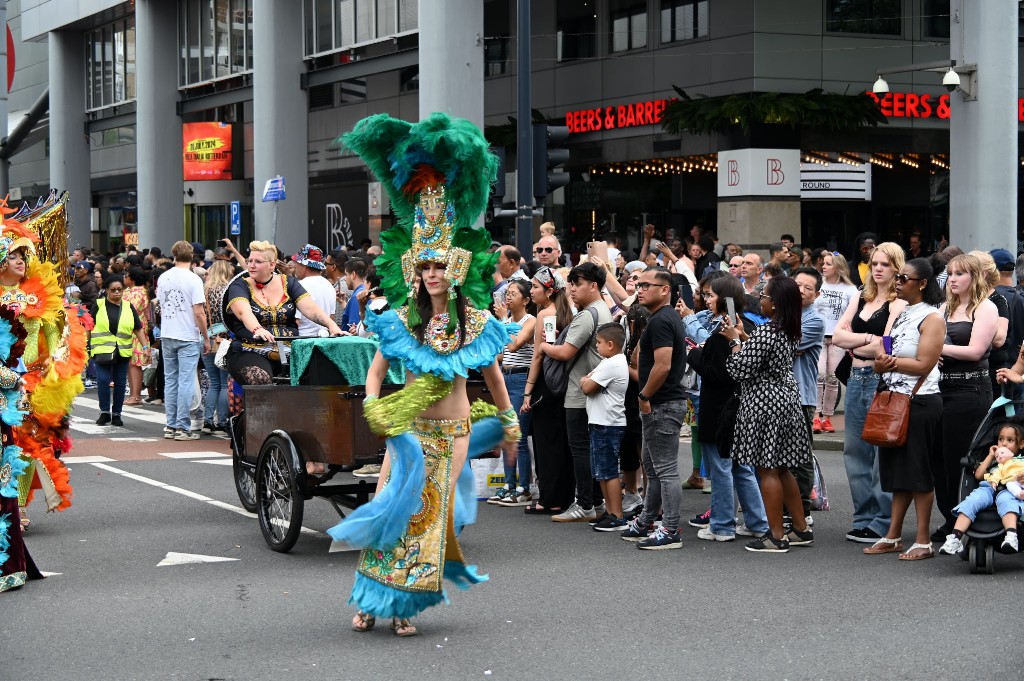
487	434
396	343
379	523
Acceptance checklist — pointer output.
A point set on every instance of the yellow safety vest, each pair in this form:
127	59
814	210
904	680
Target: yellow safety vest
103	340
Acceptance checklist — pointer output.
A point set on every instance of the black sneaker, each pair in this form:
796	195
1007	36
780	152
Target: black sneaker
116	421
797	538
600	518
940	534
207	426
661	539
104	419
636	532
610	523
768	544
701	520
863	535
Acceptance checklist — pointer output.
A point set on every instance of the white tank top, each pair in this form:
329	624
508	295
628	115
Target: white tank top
906	334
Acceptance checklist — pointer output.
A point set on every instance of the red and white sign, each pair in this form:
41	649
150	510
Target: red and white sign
913	105
614	117
759	172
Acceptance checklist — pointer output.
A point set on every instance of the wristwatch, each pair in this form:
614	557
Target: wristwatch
644	398
735	342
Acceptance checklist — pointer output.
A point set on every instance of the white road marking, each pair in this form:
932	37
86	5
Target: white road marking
339	546
44	573
134	439
126	412
175	558
217	462
193	495
85	459
89	427
191	455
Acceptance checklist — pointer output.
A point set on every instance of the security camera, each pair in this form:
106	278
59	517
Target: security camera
951	81
880	87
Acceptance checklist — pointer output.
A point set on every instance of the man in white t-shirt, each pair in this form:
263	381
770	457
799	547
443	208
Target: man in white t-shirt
183	336
309	270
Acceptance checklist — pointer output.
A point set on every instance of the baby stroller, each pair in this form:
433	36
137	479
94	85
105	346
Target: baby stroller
986	532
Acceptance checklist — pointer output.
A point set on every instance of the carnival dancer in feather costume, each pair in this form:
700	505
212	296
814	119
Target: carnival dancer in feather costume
436	273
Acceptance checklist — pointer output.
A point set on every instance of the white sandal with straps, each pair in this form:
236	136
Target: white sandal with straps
885	545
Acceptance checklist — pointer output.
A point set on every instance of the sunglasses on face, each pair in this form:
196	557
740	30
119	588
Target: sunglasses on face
544	249
733	267
904	278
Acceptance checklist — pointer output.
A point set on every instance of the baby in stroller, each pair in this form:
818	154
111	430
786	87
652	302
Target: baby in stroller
1001	474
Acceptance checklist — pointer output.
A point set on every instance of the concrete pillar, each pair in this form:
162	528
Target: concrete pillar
452	59
280	124
983	132
69	144
158	126
758	196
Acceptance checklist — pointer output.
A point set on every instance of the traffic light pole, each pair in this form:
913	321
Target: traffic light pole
524	146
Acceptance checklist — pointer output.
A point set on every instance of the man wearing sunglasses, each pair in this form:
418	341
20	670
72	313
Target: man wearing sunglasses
547	251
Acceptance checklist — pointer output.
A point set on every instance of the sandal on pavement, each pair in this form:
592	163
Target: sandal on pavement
537	509
132	401
363	622
925	549
885	545
403	627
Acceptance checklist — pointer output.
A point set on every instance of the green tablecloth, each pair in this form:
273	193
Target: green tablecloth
351	354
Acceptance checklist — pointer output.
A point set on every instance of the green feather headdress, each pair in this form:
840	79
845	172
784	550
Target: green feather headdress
397	152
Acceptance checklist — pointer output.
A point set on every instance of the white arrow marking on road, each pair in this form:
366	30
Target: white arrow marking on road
85	459
174	558
89	427
217	462
44	573
191	455
193	495
134	439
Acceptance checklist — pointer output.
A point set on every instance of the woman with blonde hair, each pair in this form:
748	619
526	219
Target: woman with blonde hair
971	324
217	279
867	318
836	292
1001	356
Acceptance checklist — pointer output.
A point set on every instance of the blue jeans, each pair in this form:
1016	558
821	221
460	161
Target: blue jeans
105	373
217	395
660	457
516	386
180	359
871	506
729	481
984	496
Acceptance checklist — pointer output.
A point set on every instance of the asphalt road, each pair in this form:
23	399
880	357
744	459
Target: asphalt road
563	602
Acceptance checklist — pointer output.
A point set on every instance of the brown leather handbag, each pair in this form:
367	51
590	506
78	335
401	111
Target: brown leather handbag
888	417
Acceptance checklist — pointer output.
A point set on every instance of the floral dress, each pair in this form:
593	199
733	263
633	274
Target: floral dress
139	298
771	430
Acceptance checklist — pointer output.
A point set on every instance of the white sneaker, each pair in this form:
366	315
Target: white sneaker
706	533
183	435
575	514
810	521
1010	542
745	531
952	546
685	432
168	433
631	503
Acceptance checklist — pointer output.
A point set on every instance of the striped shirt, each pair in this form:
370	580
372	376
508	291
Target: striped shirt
524	355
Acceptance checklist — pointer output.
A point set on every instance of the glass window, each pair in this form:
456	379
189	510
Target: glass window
346	23
108	65
409	79
129	61
628	21
207	38
683	20
324	22
875	17
352	90
497	30
935	19
237	36
192	35
308	27
119	55
387	17
248	35
364	21
215	39
575	29
408	15
223	26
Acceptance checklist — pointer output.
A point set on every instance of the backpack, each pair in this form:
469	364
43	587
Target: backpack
556	371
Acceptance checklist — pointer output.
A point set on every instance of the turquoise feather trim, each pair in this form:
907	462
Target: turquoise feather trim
376	599
462	575
397	343
12	457
5	542
487	434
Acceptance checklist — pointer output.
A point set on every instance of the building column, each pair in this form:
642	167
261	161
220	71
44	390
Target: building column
983	132
758	196
157	125
280	138
451	45
69	144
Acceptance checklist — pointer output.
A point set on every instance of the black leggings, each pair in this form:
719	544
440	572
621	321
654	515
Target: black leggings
252	368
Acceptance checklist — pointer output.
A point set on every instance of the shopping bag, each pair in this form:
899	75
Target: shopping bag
819	495
490	476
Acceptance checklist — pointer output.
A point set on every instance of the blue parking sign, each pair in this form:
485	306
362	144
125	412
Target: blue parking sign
236	218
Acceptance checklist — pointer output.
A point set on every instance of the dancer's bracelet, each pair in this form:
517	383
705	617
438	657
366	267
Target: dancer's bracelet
513	433
508	417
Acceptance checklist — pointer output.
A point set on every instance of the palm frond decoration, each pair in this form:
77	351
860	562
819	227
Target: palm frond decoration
815	108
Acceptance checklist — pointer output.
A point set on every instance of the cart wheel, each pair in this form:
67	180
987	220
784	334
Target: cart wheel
976	558
245	483
279	505
963	554
990	559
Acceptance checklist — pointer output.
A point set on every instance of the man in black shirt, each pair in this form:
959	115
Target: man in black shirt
661	362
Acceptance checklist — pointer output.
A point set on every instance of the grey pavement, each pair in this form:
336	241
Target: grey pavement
563	601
